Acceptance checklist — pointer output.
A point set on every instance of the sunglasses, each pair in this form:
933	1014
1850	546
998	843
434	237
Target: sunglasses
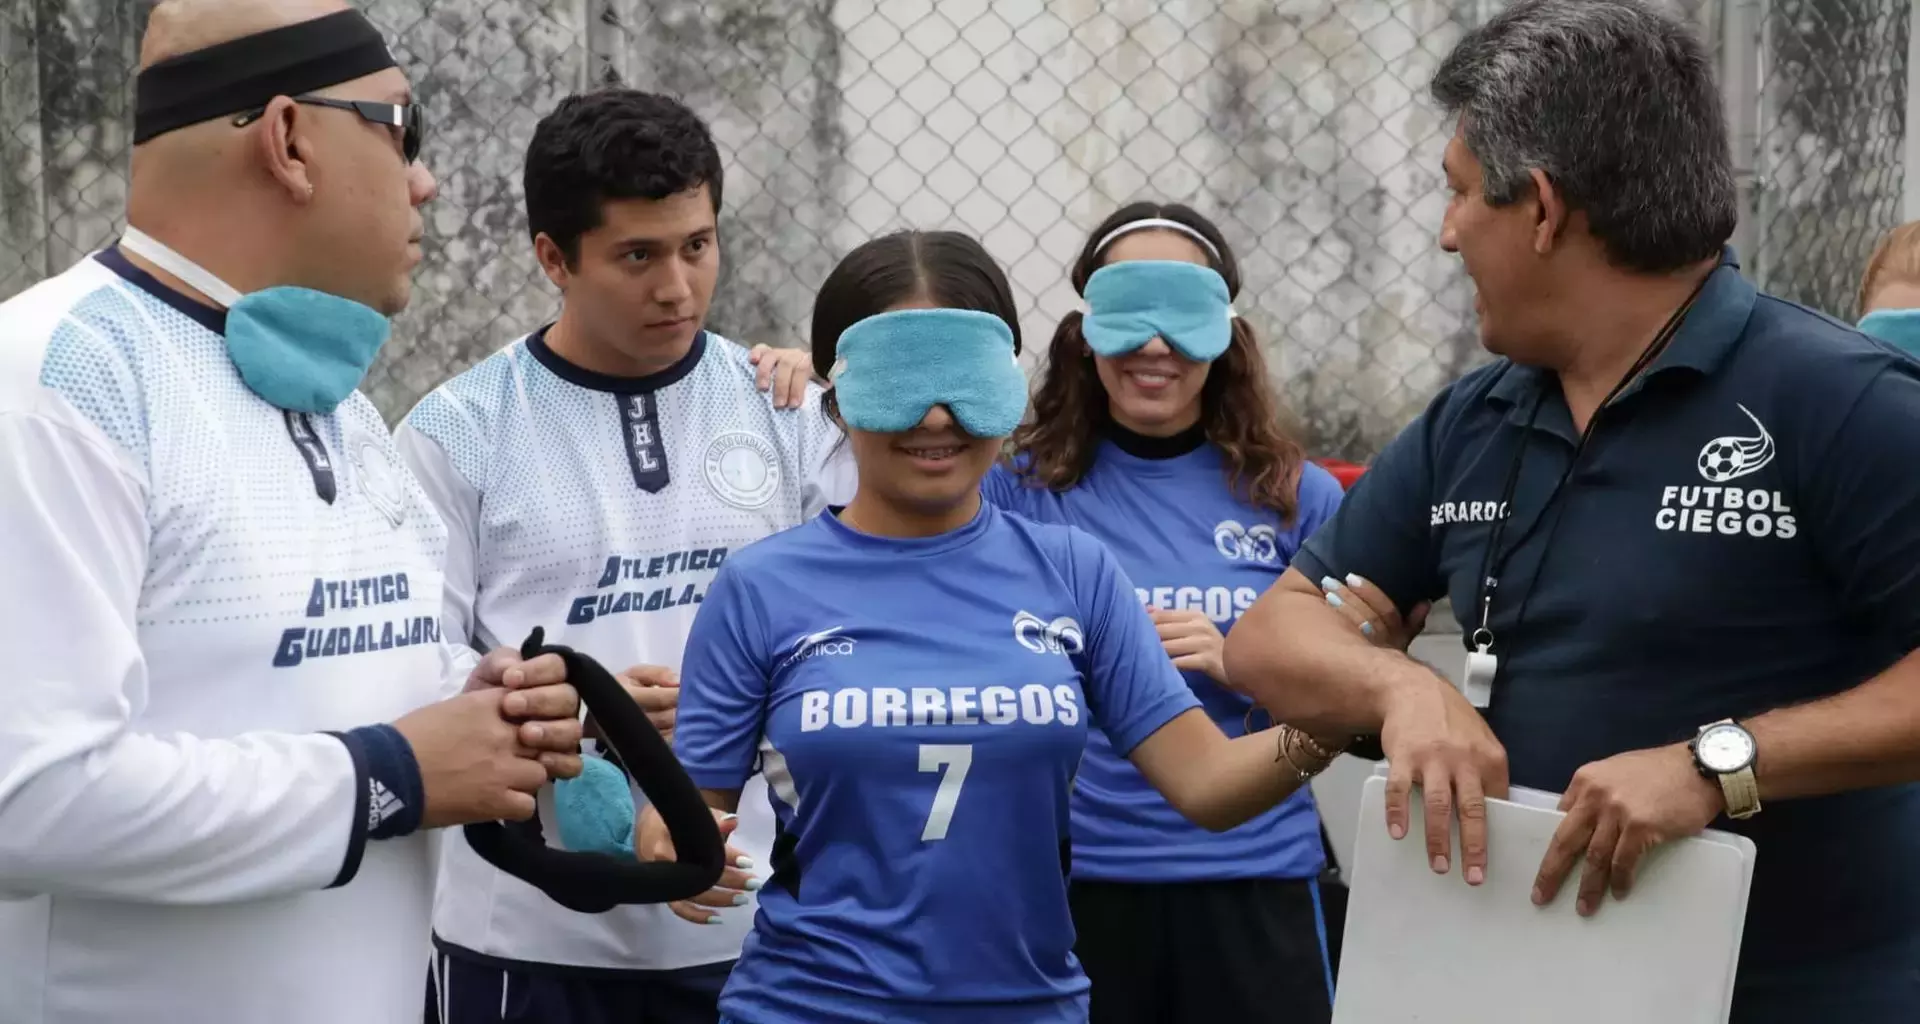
408	120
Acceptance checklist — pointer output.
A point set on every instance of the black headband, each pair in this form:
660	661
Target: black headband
244	74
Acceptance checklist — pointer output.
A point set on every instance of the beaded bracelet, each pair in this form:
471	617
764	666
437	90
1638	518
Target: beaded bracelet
1289	735
1322	757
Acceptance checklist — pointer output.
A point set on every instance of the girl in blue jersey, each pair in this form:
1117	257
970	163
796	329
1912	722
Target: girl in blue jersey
1155	430
916	673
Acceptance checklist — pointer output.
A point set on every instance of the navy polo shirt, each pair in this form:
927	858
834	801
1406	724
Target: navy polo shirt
1743	533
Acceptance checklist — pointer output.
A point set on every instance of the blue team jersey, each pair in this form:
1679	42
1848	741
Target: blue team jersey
1187	543
919	708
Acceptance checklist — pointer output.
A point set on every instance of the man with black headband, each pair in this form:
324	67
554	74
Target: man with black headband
230	715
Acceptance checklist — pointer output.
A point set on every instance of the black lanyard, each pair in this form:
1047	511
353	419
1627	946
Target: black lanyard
1496	558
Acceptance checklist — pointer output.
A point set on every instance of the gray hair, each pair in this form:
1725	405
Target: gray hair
1616	103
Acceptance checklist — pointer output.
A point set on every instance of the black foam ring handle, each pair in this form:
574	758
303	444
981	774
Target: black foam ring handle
594	883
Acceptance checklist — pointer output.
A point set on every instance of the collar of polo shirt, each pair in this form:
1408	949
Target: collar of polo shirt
1710	331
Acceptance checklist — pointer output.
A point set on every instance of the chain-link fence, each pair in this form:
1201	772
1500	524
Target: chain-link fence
1300	126
1831	109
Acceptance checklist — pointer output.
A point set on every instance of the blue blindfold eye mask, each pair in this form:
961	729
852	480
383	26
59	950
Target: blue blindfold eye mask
892	368
1897	327
1131	303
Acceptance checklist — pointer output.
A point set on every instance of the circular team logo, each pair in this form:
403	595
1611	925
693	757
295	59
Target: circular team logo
379	480
1061	636
1257	543
742	468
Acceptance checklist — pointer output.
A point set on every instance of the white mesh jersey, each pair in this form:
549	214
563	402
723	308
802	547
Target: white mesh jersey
184	613
599	508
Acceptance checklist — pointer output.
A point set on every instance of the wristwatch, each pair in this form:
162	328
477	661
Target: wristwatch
1724	751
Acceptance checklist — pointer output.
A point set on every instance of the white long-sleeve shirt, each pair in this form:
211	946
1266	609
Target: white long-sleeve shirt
600	508
186	615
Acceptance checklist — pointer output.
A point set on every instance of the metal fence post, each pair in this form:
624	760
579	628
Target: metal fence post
1910	184
1740	89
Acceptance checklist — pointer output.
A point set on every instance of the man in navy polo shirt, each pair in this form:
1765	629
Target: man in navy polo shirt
1677	522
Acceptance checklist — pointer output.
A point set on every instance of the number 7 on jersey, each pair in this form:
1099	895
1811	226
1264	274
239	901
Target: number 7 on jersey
952	761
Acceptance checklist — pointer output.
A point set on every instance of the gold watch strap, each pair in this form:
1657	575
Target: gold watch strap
1742	791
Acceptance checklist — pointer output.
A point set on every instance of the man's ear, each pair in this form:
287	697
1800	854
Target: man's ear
286	148
1550	212
553	260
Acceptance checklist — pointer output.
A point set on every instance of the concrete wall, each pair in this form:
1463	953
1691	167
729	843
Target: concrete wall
1022	121
1299	125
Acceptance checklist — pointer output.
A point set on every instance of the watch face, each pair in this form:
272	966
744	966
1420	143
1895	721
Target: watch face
1726	748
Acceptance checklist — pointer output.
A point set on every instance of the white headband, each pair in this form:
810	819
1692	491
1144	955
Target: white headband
1158	222
1171	225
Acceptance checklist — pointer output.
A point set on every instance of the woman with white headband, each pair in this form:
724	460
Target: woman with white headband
1155	430
914	674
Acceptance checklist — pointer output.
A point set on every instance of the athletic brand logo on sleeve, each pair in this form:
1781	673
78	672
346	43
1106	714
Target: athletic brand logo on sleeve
1256	543
1060	636
826	643
1730	458
742	468
381	805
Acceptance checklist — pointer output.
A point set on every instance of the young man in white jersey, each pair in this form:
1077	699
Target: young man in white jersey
594	475
230	718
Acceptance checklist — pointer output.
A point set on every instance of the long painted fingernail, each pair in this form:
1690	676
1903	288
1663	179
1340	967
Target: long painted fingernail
1366	629
740	899
1476	875
754	884
1329	584
1354	580
1334	600
713	919
728	817
743	862
1439	865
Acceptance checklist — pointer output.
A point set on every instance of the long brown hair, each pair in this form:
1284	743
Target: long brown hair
1238	408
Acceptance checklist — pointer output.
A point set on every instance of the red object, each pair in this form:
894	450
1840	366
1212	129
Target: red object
1345	472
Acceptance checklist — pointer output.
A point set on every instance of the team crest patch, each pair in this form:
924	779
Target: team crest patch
378	479
742	468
